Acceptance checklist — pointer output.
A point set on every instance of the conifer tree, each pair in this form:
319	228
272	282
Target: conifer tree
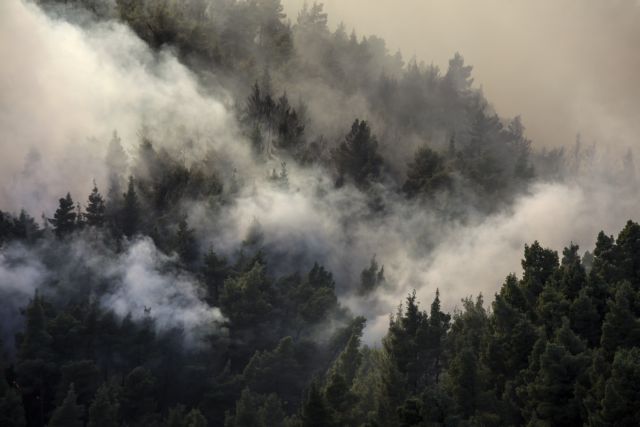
315	411
64	219
195	419
103	411
357	156
11	409
130	210
621	328
427	173
95	211
69	413
185	243
621	403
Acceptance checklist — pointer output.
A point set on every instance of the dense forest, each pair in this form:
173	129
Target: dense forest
155	299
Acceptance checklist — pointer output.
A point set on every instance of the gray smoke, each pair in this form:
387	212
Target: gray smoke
65	89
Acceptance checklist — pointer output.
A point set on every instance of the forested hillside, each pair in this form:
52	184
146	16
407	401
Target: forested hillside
227	262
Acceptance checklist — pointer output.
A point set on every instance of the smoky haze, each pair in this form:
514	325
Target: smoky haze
566	66
66	88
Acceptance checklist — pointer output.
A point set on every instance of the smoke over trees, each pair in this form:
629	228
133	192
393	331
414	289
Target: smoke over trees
234	202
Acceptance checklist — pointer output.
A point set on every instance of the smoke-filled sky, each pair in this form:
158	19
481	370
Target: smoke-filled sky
566	66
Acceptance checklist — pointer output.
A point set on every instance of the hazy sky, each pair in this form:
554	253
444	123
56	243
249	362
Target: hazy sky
564	65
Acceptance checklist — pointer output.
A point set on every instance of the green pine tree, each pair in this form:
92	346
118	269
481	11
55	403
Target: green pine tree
95	212
103	411
69	413
130	217
64	219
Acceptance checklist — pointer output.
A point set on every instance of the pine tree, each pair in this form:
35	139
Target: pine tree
339	397
427	174
405	343
573	277
95	211
116	161
552	395
621	328
271	412
130	210
350	359
315	411
36	343
195	419
103	411
439	324
80	222
585	319
246	412
176	416
69	413
11	409
185	243
137	401
468	384
371	278
215	270
36	369
621	403
357	156
64	219
538	265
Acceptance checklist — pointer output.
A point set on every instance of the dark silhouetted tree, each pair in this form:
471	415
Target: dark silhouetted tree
95	212
64	219
427	174
69	413
357	156
130	216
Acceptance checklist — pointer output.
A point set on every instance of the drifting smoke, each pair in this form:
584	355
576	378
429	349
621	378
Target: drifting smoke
146	285
141	282
20	275
418	249
65	88
566	67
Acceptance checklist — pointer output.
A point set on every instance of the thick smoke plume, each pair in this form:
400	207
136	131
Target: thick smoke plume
65	89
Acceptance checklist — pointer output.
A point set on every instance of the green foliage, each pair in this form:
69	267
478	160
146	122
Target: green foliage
69	413
103	411
95	212
371	278
357	157
538	265
21	227
11	405
185	243
620	405
558	347
621	326
256	410
130	217
138	404
246	299
315	409
427	174
64	219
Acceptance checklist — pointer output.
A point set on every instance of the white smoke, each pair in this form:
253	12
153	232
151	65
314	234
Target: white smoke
65	89
146	286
